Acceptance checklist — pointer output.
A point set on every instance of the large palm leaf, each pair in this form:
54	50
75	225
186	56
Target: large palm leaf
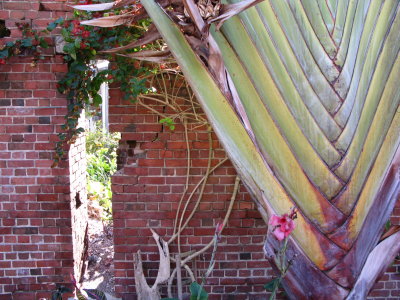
304	97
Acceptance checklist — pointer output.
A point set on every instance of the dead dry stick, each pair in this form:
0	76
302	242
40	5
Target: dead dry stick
143	290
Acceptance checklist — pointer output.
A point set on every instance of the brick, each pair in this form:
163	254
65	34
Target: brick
20	146
19	94
44	120
5	102
25	230
62	68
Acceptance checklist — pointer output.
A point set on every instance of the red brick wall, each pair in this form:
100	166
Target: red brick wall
35	210
37	203
38	13
78	199
146	191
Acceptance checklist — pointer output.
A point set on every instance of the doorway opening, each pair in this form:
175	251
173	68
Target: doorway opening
101	157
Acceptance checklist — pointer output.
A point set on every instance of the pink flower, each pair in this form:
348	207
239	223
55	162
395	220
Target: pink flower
283	225
218	228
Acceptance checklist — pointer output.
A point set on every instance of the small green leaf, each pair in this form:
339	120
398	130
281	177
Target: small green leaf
388	225
4	53
65	34
26	42
43	43
195	290
77	43
73	55
80	130
269	286
54	24
68	48
97	99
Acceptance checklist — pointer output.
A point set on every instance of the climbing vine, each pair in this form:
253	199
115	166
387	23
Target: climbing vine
82	47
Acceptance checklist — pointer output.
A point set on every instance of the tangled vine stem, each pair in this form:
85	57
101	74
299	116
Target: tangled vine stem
205	248
187	176
170	98
173	237
206	176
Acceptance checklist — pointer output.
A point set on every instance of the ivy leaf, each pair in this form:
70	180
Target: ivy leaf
77	43
97	100
4	53
77	66
80	130
66	35
195	290
54	24
51	26
43	43
70	49
26	42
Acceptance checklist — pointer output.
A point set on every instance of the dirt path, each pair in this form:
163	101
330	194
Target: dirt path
100	266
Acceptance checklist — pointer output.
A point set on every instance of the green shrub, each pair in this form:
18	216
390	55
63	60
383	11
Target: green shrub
101	156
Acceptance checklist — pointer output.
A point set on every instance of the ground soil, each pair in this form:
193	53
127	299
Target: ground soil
100	264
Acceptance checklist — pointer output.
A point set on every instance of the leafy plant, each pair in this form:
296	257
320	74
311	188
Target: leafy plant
101	139
31	43
83	46
168	122
101	157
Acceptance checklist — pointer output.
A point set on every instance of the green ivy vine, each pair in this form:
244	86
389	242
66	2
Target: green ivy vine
83	45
